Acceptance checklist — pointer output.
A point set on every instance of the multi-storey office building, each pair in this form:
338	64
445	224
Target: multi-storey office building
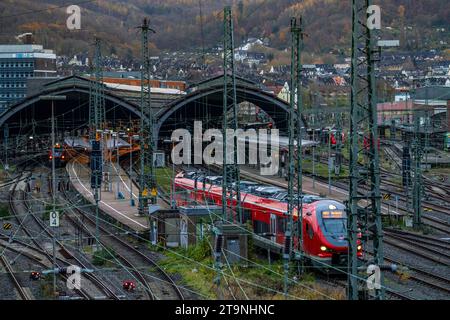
17	64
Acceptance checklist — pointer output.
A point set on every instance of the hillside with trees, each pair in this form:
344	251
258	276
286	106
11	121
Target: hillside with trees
178	24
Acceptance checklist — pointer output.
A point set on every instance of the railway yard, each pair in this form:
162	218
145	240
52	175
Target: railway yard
123	185
421	258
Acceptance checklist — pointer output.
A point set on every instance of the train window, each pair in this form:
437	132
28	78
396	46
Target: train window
260	227
335	225
309	231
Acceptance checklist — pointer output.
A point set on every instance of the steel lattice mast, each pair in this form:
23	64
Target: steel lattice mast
96	122
364	205
147	183
97	117
230	171
417	184
295	161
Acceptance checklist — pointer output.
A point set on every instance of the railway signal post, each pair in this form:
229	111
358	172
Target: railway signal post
364	206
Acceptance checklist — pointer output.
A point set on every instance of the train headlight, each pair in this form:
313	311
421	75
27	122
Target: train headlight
359	247
323	248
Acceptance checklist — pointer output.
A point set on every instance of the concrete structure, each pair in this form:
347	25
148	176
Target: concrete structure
118	209
200	102
17	64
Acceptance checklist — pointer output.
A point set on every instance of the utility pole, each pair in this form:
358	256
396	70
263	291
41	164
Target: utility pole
230	168
314	160
231	194
297	33
147	183
417	185
202	33
116	146
96	125
53	192
52	99
295	140
130	170
338	158
426	123
364	210
329	162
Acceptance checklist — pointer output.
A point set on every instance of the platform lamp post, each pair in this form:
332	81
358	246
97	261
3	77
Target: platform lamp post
115	146
131	167
53	99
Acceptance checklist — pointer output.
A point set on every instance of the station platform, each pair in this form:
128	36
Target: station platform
83	142
119	209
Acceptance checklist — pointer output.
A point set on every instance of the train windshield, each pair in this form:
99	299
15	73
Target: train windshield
334	221
335	225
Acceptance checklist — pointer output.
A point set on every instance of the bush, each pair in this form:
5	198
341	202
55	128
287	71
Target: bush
200	251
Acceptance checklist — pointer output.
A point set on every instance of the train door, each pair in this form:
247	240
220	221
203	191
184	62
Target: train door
308	236
273	227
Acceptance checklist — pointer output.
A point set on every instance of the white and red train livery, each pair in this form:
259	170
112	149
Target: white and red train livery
324	220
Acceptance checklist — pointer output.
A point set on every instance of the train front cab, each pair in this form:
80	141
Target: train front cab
325	233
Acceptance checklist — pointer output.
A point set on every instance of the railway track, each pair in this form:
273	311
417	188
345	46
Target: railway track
433	222
388	291
425	277
420	245
27	208
424	251
419	238
156	287
20	289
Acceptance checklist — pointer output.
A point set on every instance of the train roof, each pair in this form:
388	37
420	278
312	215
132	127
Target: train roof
272	204
283	141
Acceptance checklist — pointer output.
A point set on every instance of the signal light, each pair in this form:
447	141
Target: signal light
50	157
128	285
359	247
35	275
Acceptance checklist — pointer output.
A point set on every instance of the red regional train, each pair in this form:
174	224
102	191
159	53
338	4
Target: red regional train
324	220
60	155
